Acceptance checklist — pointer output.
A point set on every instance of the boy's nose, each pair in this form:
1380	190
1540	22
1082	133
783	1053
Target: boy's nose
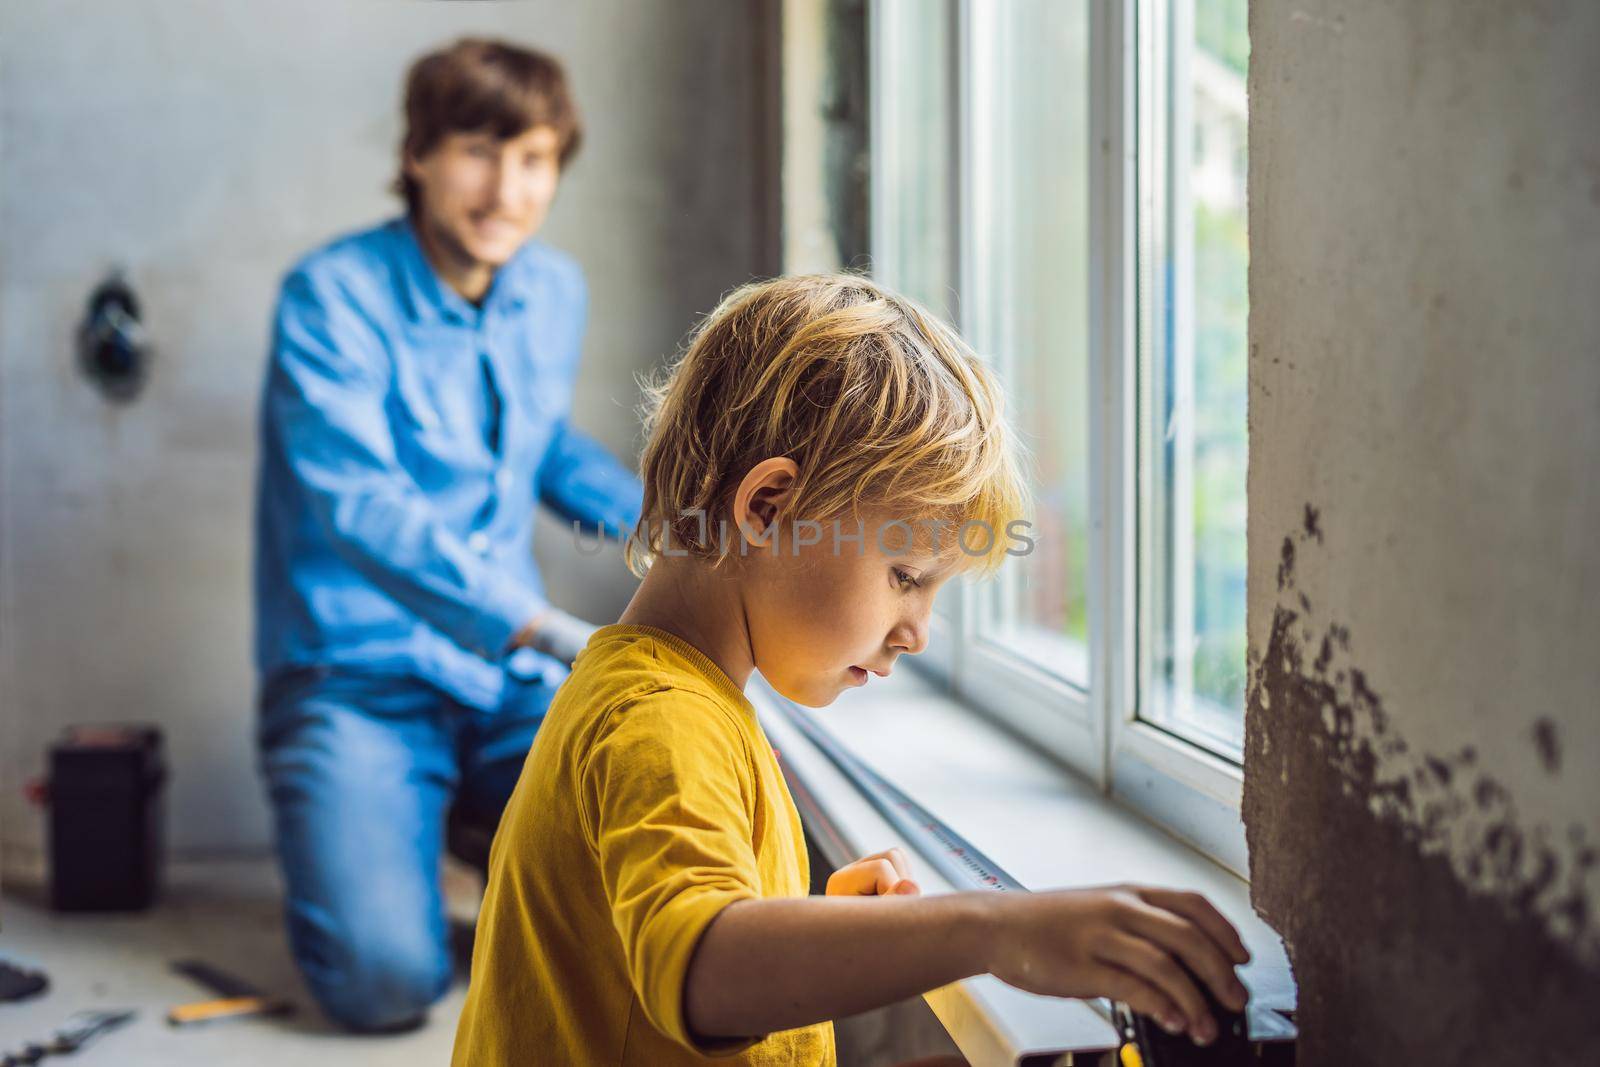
910	637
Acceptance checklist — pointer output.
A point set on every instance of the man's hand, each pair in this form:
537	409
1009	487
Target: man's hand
880	874
1126	943
556	634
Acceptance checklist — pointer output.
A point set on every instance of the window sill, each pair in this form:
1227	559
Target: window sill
1036	820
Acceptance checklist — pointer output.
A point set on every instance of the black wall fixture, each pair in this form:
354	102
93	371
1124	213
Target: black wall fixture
113	349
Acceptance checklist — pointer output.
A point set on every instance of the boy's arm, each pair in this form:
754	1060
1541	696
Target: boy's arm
713	963
775	964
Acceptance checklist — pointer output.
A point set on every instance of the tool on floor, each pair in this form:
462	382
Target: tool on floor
80	1030
1259	1035
19	983
239	999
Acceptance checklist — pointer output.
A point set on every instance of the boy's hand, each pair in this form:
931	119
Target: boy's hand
1126	943
881	874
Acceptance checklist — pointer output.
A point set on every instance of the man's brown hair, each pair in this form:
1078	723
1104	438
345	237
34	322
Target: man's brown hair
483	86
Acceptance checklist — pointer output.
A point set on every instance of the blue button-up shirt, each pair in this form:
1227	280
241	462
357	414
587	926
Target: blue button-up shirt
406	436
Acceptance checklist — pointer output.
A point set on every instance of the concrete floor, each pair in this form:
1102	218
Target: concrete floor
227	913
224	912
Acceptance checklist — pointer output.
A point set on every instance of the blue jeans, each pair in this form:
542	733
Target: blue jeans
361	771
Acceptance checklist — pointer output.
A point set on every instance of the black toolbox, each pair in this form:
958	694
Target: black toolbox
106	790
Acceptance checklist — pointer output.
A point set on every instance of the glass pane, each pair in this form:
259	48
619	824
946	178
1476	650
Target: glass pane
914	173
1195	362
1029	164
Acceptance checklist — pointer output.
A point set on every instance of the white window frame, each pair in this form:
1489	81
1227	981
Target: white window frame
1096	732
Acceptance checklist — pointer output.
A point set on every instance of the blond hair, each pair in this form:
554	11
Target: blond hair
878	403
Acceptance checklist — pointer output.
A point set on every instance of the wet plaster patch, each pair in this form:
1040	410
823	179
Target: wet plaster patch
1427	922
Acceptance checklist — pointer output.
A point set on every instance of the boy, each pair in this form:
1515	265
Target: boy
647	897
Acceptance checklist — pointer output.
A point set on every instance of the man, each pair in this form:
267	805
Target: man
416	409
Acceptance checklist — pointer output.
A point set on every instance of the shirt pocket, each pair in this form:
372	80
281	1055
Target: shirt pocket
537	391
438	410
543	350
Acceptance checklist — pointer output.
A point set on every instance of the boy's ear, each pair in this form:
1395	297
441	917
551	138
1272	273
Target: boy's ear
762	494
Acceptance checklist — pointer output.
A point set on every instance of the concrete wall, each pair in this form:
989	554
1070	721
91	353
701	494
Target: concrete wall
1424	717
204	145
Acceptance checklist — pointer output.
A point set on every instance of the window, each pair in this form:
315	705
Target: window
1066	181
1027	276
1193	368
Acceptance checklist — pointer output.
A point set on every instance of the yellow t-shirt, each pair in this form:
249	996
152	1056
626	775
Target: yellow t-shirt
650	800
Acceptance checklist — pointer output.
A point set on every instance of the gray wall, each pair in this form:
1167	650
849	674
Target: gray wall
204	145
1424	720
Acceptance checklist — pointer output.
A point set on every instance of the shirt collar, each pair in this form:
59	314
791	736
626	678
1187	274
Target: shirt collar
431	300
